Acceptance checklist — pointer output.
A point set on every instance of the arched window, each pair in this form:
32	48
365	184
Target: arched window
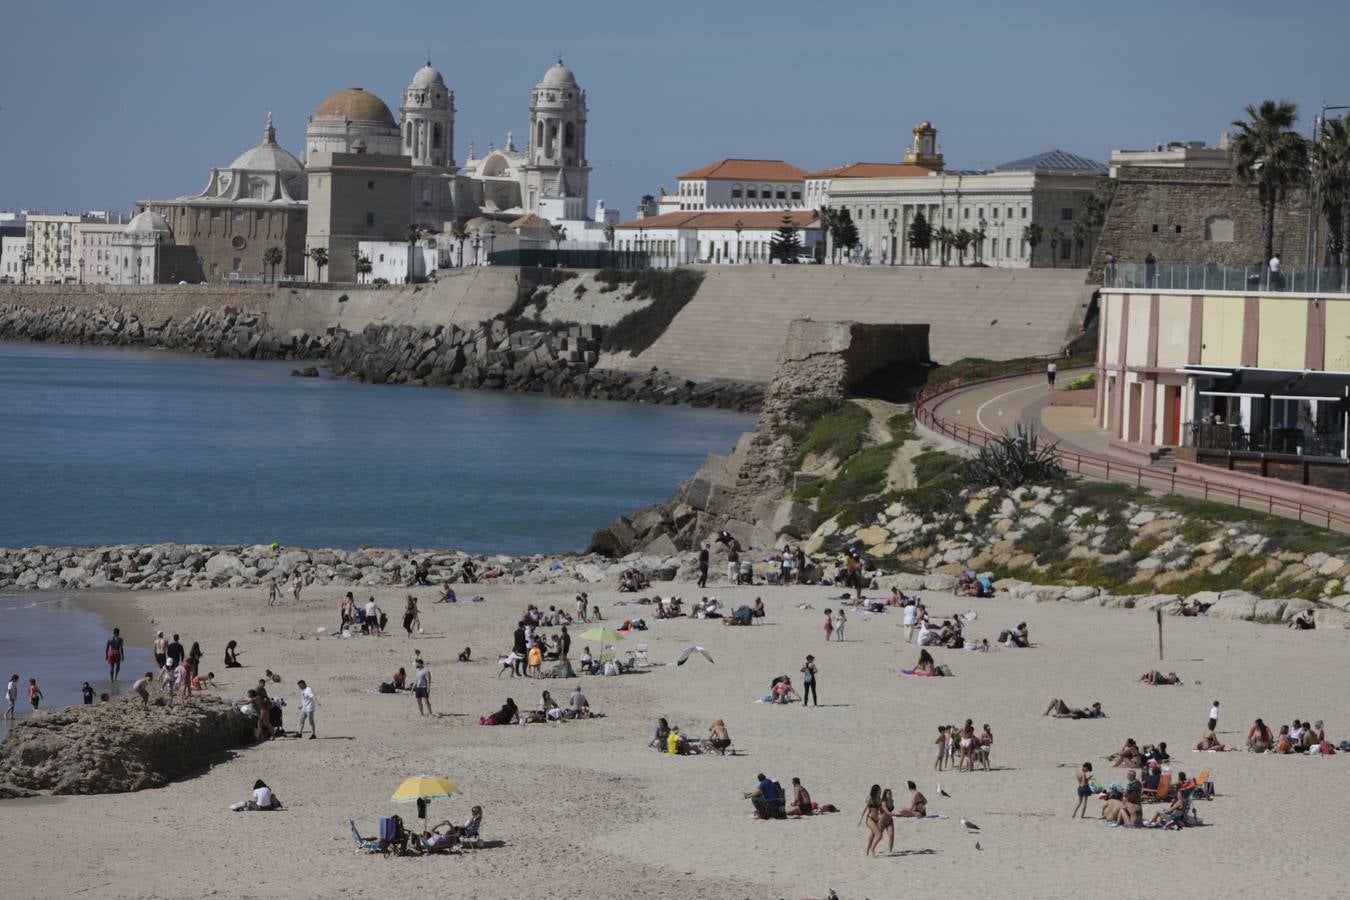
569	136
436	136
539	137
552	139
408	139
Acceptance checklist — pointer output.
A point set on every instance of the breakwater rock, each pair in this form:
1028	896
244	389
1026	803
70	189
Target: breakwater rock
118	746
195	566
488	356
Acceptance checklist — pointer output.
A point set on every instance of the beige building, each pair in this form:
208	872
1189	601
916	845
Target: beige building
354	197
254	204
53	248
96	251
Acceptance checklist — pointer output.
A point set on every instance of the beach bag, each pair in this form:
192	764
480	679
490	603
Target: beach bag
945	670
386	688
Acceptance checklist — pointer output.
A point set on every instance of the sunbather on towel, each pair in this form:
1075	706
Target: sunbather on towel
1061	710
1210	740
1156	677
918	804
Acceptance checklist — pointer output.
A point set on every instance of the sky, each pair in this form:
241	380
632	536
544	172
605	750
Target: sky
105	104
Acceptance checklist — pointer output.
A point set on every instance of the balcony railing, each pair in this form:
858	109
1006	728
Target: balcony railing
1214	277
1294	441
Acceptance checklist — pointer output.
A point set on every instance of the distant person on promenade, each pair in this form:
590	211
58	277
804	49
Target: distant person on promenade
1110	270
11	697
1050	372
307	704
112	650
34	694
1276	276
703	566
1150	270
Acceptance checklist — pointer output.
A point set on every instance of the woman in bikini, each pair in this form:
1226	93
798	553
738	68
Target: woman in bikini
886	820
1209	740
1259	738
985	746
829	624
871	814
918	804
1128	757
925	665
966	763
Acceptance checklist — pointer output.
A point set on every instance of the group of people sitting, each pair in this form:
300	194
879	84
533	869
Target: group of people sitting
770	802
578	707
1016	637
1124	804
669	739
949	634
632	581
971	584
1130	756
745	615
1300	737
418	574
1303	621
962	749
445	836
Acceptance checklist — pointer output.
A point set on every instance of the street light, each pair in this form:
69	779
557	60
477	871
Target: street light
739	225
356	262
892	226
980	248
476	244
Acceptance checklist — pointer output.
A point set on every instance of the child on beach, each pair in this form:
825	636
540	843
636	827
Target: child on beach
142	688
829	624
273	592
943	751
34	694
839	622
87	692
11	697
1084	777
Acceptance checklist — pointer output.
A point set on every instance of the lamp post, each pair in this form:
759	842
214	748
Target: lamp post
476	243
492	241
739	225
356	262
642	238
980	247
892	225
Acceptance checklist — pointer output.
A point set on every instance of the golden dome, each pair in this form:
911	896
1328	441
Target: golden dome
357	105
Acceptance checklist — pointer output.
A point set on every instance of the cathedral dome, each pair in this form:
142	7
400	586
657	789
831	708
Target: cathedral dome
148	223
356	105
426	78
559	76
269	156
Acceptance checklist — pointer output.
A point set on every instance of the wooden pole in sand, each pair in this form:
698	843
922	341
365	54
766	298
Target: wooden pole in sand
1158	612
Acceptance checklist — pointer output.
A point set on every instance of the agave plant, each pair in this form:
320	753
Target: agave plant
1014	459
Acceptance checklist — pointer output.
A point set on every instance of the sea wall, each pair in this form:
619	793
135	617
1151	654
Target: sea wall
483	354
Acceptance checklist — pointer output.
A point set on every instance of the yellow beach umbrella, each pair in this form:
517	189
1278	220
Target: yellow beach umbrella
601	634
421	788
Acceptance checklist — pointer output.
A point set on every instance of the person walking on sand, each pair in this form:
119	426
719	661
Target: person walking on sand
422	688
273	591
840	620
34	694
297	585
910	616
307	704
1050	372
1214	713
11	697
703	566
1084	776
161	649
410	614
871	814
112	650
809	680
829	624
582	601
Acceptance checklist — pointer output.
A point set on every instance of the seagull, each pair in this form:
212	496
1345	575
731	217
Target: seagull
941	791
690	651
970	826
977	845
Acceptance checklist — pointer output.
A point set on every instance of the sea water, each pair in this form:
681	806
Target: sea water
109	446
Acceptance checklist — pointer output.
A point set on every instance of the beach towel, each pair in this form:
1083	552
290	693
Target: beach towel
910	673
1224	750
917	818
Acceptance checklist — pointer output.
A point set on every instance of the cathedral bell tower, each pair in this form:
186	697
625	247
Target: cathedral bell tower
557	174
428	113
925	151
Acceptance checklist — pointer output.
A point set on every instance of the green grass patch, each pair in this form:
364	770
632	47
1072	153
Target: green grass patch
938	480
842	432
863	475
556	277
1047	542
669	290
1282	533
1230	579
1085	383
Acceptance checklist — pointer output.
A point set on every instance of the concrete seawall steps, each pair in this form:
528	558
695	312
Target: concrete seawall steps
735	326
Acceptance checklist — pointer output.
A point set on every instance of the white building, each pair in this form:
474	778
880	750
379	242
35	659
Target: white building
140	250
738	184
13	248
398	262
720	237
96	251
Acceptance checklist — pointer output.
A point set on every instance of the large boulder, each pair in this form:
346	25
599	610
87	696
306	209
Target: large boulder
792	518
1235	605
223	566
118	746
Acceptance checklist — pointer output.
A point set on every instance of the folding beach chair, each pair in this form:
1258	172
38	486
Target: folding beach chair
472	834
640	655
1160	793
365	844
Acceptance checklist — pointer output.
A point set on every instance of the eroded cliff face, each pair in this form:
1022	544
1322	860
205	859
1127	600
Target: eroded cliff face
119	746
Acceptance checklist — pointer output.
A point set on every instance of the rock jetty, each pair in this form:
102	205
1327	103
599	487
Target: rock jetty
488	356
118	746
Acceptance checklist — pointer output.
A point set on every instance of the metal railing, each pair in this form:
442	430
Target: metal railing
1214	277
1102	468
1293	441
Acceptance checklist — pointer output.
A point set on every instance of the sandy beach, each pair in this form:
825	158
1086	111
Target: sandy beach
585	807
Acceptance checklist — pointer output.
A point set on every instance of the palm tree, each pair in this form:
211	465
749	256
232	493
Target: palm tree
609	234
363	266
945	237
413	234
1331	168
828	218
977	238
1080	235
1055	238
961	241
318	256
1033	234
272	258
460	234
559	235
1270	155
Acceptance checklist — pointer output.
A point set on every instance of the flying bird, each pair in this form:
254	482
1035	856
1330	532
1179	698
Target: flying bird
941	791
970	826
690	651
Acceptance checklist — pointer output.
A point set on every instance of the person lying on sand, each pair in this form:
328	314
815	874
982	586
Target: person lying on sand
1061	710
440	838
1156	677
1303	621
